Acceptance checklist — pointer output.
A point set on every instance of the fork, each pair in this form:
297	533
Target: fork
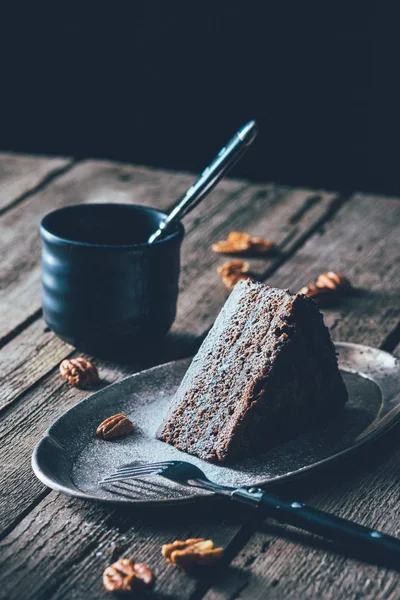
298	514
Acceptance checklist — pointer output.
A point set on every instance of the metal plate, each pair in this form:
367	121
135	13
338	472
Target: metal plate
71	459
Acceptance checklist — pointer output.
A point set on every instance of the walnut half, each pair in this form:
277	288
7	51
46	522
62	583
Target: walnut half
115	426
333	281
125	575
233	271
239	242
79	372
326	288
193	551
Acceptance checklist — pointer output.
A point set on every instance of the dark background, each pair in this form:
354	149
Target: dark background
167	83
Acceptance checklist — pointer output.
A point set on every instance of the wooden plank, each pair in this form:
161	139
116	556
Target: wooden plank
23	426
28	357
363	243
86	182
19	174
77	528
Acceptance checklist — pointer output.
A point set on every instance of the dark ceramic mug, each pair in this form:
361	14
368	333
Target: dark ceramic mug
106	290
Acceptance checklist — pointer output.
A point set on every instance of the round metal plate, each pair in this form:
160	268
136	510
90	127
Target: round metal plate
71	459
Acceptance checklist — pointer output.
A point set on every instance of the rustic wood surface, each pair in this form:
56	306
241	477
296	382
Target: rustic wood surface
53	546
21	176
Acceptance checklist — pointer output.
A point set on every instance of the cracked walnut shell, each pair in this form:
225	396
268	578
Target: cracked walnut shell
125	575
233	271
115	426
193	551
79	372
239	242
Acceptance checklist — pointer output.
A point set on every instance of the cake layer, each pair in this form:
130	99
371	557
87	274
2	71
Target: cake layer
266	370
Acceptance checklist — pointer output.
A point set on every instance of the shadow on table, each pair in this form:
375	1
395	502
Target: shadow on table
305	539
173	346
347	470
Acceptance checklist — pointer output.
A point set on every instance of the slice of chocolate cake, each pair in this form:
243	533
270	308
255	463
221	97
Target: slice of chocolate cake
265	372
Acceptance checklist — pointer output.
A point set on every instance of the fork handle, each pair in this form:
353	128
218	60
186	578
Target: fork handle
321	523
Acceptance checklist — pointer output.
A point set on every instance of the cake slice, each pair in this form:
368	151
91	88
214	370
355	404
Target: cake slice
264	373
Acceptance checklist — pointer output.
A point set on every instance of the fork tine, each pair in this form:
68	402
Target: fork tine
138	471
132	472
130	475
143	466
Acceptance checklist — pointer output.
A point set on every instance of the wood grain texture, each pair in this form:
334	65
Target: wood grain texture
363	243
19	174
23	425
64	544
280	562
85	538
28	357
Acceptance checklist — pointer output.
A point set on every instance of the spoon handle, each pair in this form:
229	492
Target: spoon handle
224	161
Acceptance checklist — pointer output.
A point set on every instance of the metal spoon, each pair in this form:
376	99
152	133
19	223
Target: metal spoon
224	161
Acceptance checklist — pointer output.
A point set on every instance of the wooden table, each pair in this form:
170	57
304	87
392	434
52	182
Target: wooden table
53	546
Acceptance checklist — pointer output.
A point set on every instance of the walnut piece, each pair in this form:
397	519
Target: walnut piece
194	551
233	271
333	281
326	288
115	426
79	372
125	575
261	246
236	242
239	242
